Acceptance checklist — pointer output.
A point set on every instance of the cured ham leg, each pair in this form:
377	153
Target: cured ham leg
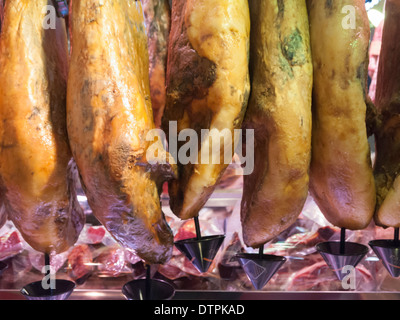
341	178
3	214
109	117
279	112
207	89
158	19
36	164
387	163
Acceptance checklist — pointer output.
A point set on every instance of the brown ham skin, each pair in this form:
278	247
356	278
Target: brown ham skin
35	159
207	88
158	19
387	137
341	178
109	115
279	112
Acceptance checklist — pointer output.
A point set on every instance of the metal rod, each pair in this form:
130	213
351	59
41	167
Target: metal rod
147	294
48	270
261	251
197	226
342	240
396	235
47	261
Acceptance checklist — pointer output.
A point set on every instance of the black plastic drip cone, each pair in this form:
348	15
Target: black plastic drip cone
148	288
35	290
388	252
260	268
338	255
201	251
38	290
137	290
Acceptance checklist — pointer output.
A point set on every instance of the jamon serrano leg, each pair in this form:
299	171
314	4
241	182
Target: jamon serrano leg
3	214
35	159
387	165
279	111
109	115
207	88
341	178
158	19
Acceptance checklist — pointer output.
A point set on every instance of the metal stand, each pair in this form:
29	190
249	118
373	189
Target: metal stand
260	267
388	251
148	288
338	254
201	251
38	290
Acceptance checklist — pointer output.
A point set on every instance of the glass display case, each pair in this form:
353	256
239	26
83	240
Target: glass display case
100	267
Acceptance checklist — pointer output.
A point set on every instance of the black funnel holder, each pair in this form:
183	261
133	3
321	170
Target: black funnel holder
148	288
61	290
337	254
260	267
388	252
200	251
